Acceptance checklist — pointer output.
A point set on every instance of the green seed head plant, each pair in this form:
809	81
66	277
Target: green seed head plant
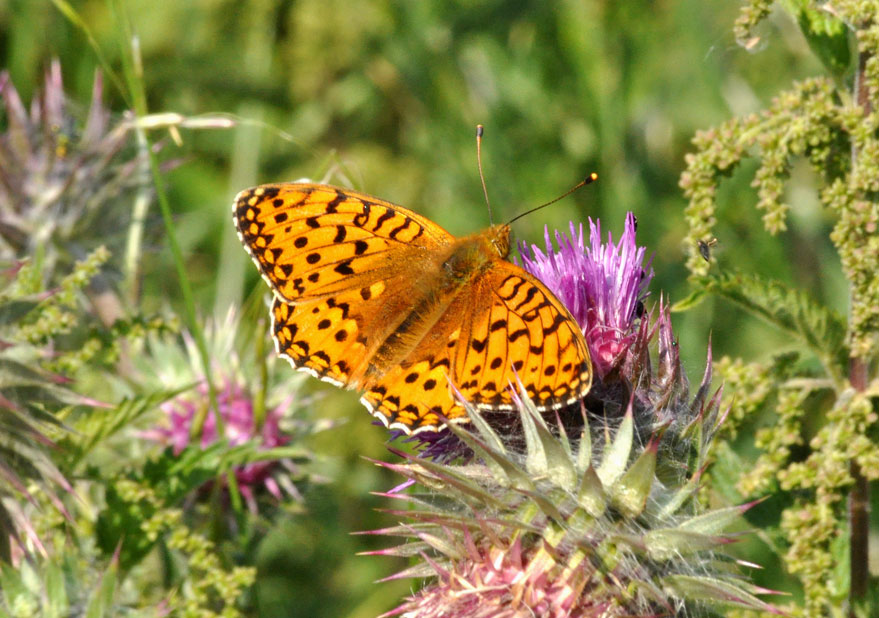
820	446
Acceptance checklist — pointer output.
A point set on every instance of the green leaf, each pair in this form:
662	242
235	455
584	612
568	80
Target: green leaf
172	477
828	36
691	301
101	604
102	424
840	575
56	592
819	328
15	310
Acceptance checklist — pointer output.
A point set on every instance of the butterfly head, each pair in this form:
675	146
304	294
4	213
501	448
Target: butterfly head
499	238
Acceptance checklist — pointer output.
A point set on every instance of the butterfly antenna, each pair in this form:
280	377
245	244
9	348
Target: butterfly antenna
586	181
479	132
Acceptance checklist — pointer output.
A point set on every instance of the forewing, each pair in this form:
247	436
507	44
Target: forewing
312	241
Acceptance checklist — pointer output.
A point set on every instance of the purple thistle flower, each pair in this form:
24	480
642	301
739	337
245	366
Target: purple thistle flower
236	407
603	286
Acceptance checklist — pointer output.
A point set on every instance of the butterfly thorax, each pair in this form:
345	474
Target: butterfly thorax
473	254
439	284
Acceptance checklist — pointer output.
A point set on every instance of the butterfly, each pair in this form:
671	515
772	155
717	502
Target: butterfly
372	296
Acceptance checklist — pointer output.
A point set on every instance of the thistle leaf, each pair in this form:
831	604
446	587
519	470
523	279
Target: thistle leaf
420	570
501	466
631	491
666	543
591	495
462	484
443	546
555	459
616	456
584	452
687	490
535	458
714	521
715	591
488	434
407	550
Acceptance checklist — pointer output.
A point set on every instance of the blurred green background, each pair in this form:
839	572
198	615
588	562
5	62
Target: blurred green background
384	96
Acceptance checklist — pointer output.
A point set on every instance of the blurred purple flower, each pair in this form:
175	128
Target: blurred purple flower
603	286
236	408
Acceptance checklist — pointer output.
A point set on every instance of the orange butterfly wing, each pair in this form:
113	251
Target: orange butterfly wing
507	326
307	239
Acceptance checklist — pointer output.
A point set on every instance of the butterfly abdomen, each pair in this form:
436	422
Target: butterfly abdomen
434	292
438	289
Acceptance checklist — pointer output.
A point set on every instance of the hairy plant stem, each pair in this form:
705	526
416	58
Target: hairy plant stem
858	511
859	497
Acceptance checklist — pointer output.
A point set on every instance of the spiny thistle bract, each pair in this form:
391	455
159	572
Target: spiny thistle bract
608	523
547	532
65	185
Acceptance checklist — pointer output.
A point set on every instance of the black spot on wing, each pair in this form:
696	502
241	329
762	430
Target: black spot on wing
344	268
